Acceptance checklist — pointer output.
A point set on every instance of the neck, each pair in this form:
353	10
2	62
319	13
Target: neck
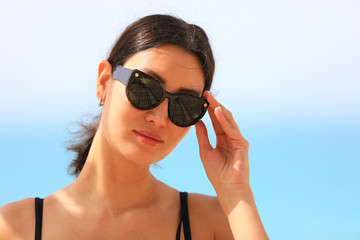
112	182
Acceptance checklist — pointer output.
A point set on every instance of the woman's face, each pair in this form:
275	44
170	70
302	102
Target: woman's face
147	136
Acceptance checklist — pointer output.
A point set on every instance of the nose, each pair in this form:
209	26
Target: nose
159	115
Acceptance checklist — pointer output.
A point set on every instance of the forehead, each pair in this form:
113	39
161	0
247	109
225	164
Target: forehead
178	68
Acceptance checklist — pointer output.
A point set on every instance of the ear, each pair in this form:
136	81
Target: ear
104	77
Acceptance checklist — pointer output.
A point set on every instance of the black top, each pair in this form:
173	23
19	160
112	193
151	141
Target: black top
184	217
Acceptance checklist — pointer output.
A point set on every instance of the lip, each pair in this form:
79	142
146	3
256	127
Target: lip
148	137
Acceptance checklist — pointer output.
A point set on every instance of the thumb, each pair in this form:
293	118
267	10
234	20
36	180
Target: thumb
203	139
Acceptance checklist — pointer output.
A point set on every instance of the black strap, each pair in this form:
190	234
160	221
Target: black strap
184	217
178	231
38	217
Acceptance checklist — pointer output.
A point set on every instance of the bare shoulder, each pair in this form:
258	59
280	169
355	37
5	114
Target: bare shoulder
17	219
206	211
205	204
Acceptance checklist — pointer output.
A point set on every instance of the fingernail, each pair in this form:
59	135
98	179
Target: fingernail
219	108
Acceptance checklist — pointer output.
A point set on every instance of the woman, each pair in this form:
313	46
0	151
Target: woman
152	87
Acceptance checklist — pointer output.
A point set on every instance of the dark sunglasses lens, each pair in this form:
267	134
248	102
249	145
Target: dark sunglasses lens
187	110
144	93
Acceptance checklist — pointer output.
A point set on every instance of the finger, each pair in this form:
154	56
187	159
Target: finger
214	104
216	125
228	128
211	99
224	123
202	137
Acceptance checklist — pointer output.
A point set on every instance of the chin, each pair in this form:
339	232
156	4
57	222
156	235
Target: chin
143	156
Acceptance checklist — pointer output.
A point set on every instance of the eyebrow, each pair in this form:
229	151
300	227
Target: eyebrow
162	81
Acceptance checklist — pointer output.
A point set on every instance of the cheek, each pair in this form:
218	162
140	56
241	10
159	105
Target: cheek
177	134
117	106
117	111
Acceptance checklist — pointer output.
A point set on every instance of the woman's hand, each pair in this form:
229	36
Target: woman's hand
226	165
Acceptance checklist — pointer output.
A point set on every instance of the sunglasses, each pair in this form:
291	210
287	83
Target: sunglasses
144	93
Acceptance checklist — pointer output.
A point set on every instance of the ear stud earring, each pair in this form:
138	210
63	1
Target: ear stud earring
101	103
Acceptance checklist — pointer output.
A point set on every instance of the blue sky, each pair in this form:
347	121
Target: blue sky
288	70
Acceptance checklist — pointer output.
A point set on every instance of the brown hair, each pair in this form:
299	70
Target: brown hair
148	32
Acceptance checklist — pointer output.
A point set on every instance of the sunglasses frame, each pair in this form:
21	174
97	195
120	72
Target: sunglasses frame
126	75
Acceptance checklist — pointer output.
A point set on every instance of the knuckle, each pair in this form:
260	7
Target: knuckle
246	143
